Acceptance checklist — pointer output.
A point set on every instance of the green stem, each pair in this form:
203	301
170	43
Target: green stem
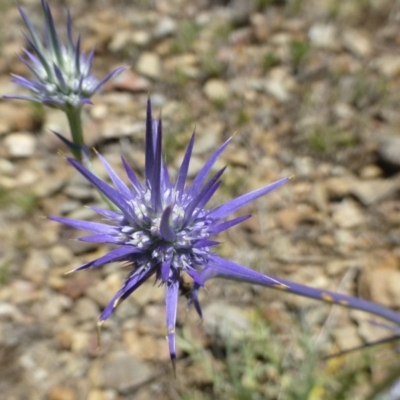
75	125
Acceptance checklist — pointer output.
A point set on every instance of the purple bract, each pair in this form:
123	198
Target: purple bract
163	228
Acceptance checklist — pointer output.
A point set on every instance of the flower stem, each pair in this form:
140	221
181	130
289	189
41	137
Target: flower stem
75	125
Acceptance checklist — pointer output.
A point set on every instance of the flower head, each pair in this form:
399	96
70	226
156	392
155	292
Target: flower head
164	228
62	76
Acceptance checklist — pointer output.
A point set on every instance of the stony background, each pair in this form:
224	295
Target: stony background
310	89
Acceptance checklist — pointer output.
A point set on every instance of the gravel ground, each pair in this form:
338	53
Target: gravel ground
309	88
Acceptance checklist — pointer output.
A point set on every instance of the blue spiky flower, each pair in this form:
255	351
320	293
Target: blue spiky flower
164	229
62	75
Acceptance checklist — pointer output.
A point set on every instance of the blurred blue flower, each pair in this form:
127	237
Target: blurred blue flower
163	228
62	77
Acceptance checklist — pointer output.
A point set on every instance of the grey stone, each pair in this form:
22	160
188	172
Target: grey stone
347	215
11	312
85	309
279	84
120	41
141	38
119	371
48	187
207	138
60	255
96	394
304	167
195	166
99	111
100	293
225	322
186	64
347	337
388	65
7	168
389	150
123	127
324	36
78	247
216	90
357	42
69	206
240	11
35	267
149	65
129	81
79	192
52	307
374	190
166	26
56	121
20	144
